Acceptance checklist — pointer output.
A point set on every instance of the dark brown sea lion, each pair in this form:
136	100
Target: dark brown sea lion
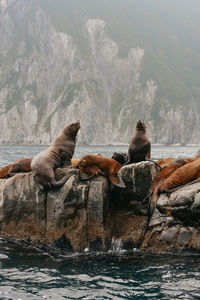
121	157
20	165
94	165
56	155
162	176
140	146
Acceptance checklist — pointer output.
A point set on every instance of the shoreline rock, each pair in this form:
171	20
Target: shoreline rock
94	214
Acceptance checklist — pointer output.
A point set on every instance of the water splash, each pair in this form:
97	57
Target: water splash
116	246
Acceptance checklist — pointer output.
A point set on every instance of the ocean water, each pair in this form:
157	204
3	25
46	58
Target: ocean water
10	153
32	274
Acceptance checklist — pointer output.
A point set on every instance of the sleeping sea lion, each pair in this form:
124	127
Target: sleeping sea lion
20	165
140	146
96	165
75	161
162	176
56	155
187	174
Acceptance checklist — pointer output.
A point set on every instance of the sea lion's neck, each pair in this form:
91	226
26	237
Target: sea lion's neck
140	131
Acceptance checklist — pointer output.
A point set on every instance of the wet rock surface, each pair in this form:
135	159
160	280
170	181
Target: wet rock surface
174	225
96	215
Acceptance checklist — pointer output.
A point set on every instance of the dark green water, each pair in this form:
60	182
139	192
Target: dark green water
28	275
32	274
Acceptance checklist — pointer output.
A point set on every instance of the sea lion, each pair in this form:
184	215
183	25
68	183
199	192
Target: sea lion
161	178
121	157
57	155
20	165
140	146
187	174
165	161
95	165
75	161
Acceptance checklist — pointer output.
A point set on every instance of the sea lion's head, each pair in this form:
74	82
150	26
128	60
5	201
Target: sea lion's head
97	154
120	157
73	128
140	126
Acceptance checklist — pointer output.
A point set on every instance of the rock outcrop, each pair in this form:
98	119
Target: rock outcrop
95	215
175	222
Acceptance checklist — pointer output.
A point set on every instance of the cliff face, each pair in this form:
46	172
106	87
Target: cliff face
48	79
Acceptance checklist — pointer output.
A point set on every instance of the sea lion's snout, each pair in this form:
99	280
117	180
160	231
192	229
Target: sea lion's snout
78	124
140	125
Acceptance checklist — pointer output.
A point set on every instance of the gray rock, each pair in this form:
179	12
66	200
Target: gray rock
196	203
137	178
176	212
91	214
157	218
169	235
184	237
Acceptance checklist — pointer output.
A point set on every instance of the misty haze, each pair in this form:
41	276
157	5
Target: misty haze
105	63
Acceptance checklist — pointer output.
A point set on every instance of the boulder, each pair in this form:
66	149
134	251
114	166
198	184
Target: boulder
174	225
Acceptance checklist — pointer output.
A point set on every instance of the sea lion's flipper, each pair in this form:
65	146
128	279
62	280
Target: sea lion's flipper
84	176
152	203
57	184
157	165
39	185
127	163
180	161
11	174
71	166
117	180
102	173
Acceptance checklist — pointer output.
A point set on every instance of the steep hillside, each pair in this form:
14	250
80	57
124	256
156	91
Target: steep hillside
107	63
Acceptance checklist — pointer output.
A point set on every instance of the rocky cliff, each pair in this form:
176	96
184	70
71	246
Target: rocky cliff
54	71
94	215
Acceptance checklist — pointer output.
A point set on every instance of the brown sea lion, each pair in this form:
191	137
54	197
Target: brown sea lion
20	165
56	155
187	174
75	161
162	176
165	161
94	165
140	146
4	171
